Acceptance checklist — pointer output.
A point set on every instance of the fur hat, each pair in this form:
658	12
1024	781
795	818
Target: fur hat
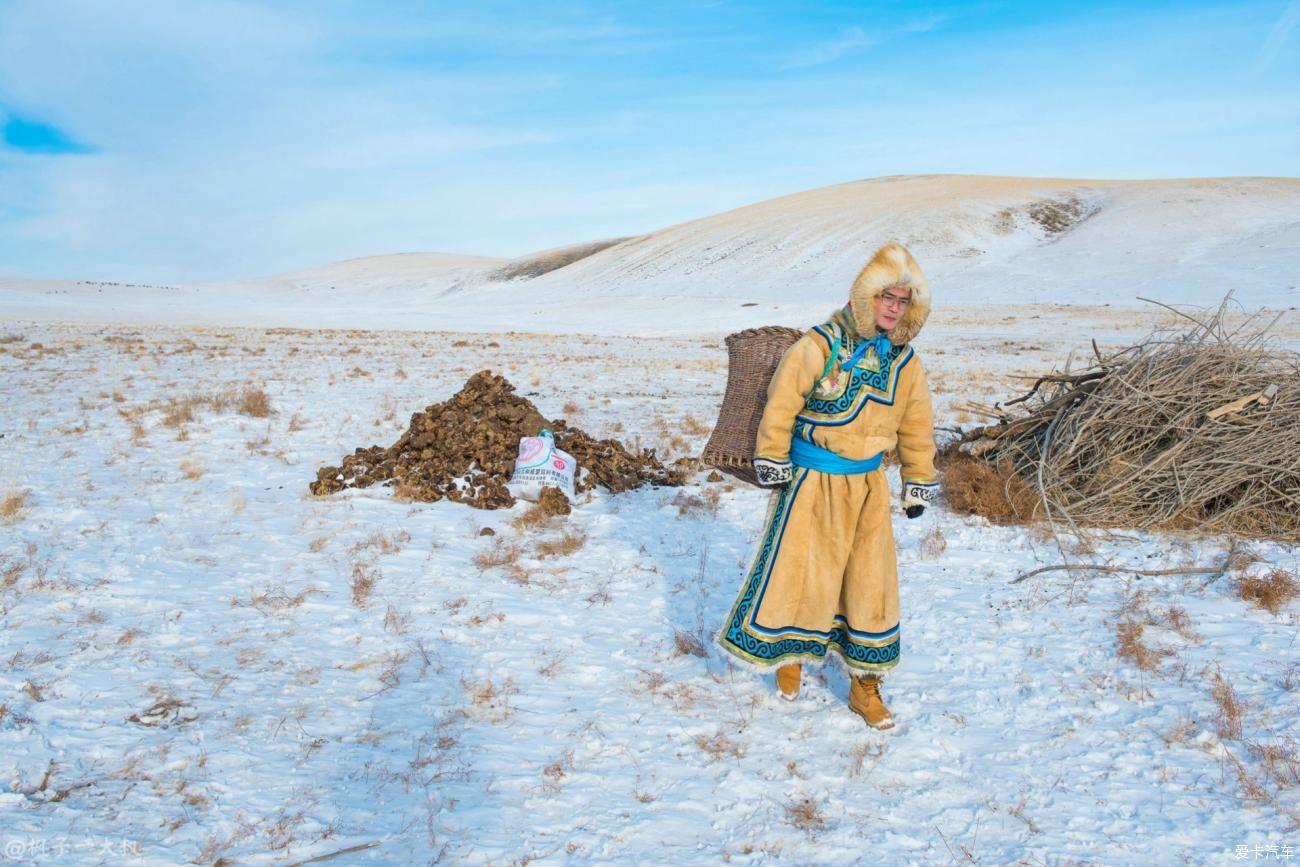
891	267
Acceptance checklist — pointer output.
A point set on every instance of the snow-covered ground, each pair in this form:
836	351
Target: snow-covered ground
200	662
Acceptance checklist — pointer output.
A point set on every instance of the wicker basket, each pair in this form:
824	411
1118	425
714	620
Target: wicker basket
752	357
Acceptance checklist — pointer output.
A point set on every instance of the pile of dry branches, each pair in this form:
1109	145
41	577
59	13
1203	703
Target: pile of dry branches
1198	430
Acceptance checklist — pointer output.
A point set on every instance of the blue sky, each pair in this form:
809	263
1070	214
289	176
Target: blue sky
212	139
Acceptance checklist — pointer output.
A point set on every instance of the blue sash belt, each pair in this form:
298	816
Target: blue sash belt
814	457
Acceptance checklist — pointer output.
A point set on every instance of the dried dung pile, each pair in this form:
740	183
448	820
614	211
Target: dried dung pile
464	450
1199	430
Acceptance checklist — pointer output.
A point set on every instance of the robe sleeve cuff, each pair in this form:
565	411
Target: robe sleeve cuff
771	473
919	493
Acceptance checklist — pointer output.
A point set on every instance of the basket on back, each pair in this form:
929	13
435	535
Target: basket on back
752	357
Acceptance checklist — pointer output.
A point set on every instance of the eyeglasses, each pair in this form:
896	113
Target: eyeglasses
893	301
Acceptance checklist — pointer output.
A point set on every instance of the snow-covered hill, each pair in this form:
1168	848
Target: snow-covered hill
981	240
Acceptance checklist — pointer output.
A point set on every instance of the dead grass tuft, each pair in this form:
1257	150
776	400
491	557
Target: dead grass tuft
191	470
806	815
561	547
254	402
681	696
180	410
364	579
496	555
1175	617
1128	645
864	751
556	771
11	507
536	515
554	663
704	504
274	599
1179	734
10	571
1251	788
382	543
490	697
694	427
1280	761
933	543
184	409
687	644
719	746
1271	592
396	622
1229	709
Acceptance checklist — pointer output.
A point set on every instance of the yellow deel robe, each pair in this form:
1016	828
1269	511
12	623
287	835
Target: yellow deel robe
825	576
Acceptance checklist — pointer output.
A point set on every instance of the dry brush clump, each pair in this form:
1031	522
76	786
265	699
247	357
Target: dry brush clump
10	571
719	746
364	578
688	644
1229	709
1198	430
566	544
933	544
253	402
1271	591
703	504
972	486
806	815
1132	618
496	555
551	504
1129	645
183	409
12	505
491	698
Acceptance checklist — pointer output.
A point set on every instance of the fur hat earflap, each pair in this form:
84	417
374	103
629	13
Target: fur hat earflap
891	267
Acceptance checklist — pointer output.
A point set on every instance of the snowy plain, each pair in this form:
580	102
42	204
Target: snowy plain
189	672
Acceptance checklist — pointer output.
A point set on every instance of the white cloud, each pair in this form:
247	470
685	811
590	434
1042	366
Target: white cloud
850	40
1279	33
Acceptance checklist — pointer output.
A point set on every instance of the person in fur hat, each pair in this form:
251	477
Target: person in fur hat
824	577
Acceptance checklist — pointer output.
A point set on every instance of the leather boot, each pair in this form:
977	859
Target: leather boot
787	680
865	701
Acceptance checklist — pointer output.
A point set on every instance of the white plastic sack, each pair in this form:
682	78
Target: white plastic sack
541	465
